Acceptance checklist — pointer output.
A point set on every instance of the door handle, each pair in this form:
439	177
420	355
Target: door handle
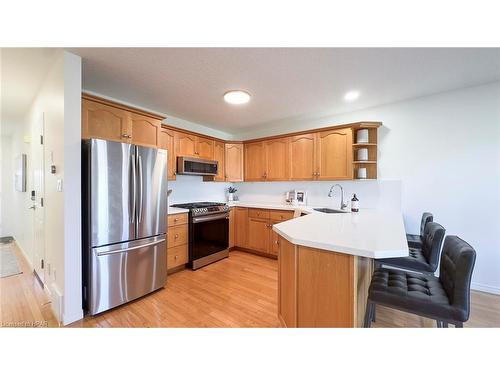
130	248
140	189
32	207
134	187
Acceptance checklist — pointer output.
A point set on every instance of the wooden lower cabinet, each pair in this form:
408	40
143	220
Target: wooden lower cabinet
177	240
319	288
253	229
259	233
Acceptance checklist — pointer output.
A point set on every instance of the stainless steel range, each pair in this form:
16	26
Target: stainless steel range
208	232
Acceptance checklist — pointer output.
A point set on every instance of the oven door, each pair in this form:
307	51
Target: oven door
209	236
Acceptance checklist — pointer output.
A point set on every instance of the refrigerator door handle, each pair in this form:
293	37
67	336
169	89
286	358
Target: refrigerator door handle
134	187
141	188
109	252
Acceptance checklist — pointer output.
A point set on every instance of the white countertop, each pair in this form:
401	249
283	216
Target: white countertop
177	210
369	233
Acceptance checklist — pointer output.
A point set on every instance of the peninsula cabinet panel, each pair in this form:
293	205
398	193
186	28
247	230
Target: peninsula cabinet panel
240	226
277	159
255	169
303	157
105	122
145	130
287	284
234	162
219	152
166	142
185	144
204	148
259	234
334	154
325	288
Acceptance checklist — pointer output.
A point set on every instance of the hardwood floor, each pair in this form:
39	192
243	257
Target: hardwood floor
240	291
23	302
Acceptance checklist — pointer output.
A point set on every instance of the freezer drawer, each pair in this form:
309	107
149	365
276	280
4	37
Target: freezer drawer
124	272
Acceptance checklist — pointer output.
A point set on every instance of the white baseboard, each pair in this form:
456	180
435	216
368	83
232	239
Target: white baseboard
485	288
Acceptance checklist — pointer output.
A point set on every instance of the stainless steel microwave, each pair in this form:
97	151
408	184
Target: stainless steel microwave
197	167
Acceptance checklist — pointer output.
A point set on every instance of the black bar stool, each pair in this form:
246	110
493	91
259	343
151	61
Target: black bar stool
416	240
445	299
424	259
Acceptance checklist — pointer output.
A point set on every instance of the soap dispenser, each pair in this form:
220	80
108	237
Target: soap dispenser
354	204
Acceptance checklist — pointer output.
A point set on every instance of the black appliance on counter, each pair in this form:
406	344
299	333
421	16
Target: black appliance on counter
208	232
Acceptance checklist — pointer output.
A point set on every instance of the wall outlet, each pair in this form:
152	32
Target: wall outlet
59	184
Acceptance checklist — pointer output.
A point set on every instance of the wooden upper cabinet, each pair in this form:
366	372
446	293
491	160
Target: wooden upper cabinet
105	122
303	157
166	142
219	151
277	159
255	168
334	154
185	144
234	162
145	130
204	148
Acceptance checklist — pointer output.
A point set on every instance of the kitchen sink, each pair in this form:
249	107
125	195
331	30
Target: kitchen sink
329	210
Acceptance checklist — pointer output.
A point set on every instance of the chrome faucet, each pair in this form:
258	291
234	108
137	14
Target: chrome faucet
343	205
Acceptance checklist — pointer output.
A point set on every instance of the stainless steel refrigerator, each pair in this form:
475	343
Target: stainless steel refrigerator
125	222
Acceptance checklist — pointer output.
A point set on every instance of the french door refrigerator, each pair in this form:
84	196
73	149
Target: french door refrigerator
125	222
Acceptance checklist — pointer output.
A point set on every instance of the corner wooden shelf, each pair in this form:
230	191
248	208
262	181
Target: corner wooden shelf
371	145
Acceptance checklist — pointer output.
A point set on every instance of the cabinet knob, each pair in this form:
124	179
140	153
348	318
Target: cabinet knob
126	136
176	220
176	236
277	242
176	257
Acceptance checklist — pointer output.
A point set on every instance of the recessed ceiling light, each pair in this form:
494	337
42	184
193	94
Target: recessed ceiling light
351	95
237	97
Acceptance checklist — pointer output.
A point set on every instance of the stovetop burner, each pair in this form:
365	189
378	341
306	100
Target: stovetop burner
190	206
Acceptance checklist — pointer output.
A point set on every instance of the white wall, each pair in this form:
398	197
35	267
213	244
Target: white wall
17	218
383	195
59	100
194	189
445	150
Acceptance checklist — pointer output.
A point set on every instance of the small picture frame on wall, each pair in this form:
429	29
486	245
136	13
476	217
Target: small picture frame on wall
20	173
301	197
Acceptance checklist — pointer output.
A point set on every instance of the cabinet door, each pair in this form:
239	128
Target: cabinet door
219	156
145	130
259	234
334	154
185	144
287	283
234	162
255	162
105	122
303	157
166	142
277	159
275	239
205	148
240	226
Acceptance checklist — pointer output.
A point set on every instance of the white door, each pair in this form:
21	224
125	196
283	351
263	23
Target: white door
38	158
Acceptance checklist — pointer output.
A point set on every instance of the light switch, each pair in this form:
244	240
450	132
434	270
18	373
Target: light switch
59	184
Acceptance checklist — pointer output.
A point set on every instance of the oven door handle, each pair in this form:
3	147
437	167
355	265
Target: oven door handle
210	218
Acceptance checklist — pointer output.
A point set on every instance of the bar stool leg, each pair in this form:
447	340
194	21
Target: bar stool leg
370	307
439	324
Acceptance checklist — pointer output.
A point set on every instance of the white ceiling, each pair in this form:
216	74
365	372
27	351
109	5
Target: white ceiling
22	73
285	83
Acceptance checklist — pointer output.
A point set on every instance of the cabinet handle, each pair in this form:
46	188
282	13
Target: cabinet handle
176	220
126	136
277	242
176	236
176	257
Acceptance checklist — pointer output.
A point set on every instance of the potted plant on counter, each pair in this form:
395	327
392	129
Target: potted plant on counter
231	190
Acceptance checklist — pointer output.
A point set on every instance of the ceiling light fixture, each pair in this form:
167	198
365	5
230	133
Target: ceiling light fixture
237	97
351	95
